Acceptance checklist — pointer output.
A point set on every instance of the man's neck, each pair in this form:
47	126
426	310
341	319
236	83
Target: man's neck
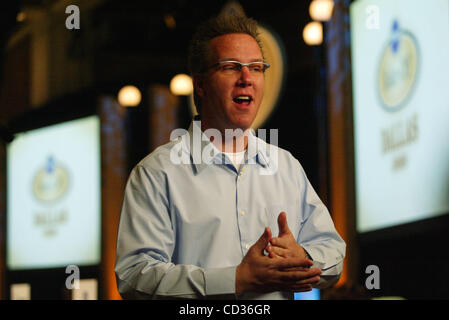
235	144
232	140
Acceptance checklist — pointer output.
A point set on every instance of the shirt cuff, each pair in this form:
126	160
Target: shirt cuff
310	255
220	281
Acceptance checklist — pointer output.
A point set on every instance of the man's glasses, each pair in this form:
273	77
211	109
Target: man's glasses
234	67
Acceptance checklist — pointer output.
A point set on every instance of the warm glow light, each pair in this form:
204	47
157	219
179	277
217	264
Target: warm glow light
170	21
181	85
21	16
313	33
129	96
321	10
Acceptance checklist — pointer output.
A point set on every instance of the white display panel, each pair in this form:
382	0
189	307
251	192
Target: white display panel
400	74
53	187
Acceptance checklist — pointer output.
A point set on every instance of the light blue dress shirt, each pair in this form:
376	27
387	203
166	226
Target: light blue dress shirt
186	225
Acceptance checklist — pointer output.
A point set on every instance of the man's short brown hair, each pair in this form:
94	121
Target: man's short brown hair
199	46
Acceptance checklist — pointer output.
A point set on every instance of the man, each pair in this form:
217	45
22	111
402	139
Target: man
248	227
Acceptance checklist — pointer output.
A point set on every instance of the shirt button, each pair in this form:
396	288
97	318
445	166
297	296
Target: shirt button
242	212
247	246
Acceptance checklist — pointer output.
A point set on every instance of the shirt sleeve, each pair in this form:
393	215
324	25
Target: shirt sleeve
318	235
145	244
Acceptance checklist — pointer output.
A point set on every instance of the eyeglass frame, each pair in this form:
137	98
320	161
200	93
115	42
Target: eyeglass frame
264	64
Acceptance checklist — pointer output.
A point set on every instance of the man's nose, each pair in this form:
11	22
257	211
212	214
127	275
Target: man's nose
245	77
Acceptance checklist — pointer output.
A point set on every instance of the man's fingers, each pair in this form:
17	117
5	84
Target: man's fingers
305	284
298	276
278	251
312	280
279	242
283	225
295	276
263	241
293	263
270	252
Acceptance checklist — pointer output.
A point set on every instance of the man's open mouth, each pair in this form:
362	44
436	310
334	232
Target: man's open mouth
243	100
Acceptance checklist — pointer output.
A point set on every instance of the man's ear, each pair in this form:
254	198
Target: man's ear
198	84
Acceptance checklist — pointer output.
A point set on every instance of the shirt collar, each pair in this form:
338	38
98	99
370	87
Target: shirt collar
256	150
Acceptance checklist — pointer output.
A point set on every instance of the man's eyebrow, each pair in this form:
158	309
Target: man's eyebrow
235	59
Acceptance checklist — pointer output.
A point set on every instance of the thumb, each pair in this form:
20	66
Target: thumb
283	225
263	241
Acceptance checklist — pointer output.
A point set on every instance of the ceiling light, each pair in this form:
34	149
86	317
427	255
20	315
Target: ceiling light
181	85
313	33
321	10
129	96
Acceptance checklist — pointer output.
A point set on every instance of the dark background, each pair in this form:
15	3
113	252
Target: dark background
139	48
132	44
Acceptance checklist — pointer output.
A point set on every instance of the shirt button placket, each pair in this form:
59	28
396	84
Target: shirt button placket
240	174
241	215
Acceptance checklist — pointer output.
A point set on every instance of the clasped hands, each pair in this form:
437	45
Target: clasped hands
285	268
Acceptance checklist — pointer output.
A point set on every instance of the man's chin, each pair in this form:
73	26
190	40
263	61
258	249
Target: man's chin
242	126
244	123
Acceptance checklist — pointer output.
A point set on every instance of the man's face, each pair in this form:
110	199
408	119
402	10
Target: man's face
230	100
